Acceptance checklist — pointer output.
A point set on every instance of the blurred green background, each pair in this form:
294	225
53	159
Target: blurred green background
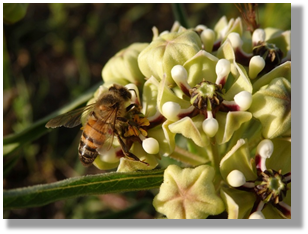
54	54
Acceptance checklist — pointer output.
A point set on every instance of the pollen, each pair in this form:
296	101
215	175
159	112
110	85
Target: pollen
137	126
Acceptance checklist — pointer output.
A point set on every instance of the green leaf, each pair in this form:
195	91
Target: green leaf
179	14
112	182
36	130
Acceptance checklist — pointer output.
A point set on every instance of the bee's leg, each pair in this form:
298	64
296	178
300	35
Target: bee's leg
131	106
122	119
126	150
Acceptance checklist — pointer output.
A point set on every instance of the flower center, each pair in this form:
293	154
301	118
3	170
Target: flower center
271	54
206	96
272	188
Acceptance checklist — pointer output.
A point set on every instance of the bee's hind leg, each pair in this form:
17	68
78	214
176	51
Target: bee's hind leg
125	150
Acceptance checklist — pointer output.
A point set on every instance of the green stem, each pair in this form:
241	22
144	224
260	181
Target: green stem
179	14
185	156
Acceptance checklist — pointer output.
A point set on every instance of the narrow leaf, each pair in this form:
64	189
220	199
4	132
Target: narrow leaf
112	182
179	14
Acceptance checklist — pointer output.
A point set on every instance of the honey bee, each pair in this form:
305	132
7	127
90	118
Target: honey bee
105	120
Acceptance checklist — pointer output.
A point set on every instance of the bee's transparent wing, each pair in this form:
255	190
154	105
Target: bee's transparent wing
107	145
107	126
69	119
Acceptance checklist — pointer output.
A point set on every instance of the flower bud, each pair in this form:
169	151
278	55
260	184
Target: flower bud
264	151
223	68
108	156
236	178
200	28
243	100
225	27
180	76
171	110
210	126
235	40
123	67
208	39
166	51
265	148
107	160
150	145
272	106
257	215
256	65
258	36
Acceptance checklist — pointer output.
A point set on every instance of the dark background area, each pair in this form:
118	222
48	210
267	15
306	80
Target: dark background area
54	54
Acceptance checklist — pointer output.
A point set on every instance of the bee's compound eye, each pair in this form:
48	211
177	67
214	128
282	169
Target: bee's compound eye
125	93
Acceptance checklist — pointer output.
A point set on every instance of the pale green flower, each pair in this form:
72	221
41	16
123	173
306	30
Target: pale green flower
200	106
123	68
260	184
188	193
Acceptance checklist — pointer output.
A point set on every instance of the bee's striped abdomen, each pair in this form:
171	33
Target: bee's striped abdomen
90	140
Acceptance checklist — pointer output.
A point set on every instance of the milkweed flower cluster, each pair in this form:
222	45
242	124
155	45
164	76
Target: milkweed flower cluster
219	102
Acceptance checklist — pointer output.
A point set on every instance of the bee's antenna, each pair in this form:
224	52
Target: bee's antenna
134	91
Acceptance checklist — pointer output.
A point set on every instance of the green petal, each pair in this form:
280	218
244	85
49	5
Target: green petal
190	128
149	97
201	67
229	123
104	165
165	94
283	70
238	158
271	212
228	27
165	138
226	51
220	25
281	157
281	160
281	39
272	106
251	131
238	203
128	165
241	83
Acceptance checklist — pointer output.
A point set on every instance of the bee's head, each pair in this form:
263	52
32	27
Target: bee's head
122	91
